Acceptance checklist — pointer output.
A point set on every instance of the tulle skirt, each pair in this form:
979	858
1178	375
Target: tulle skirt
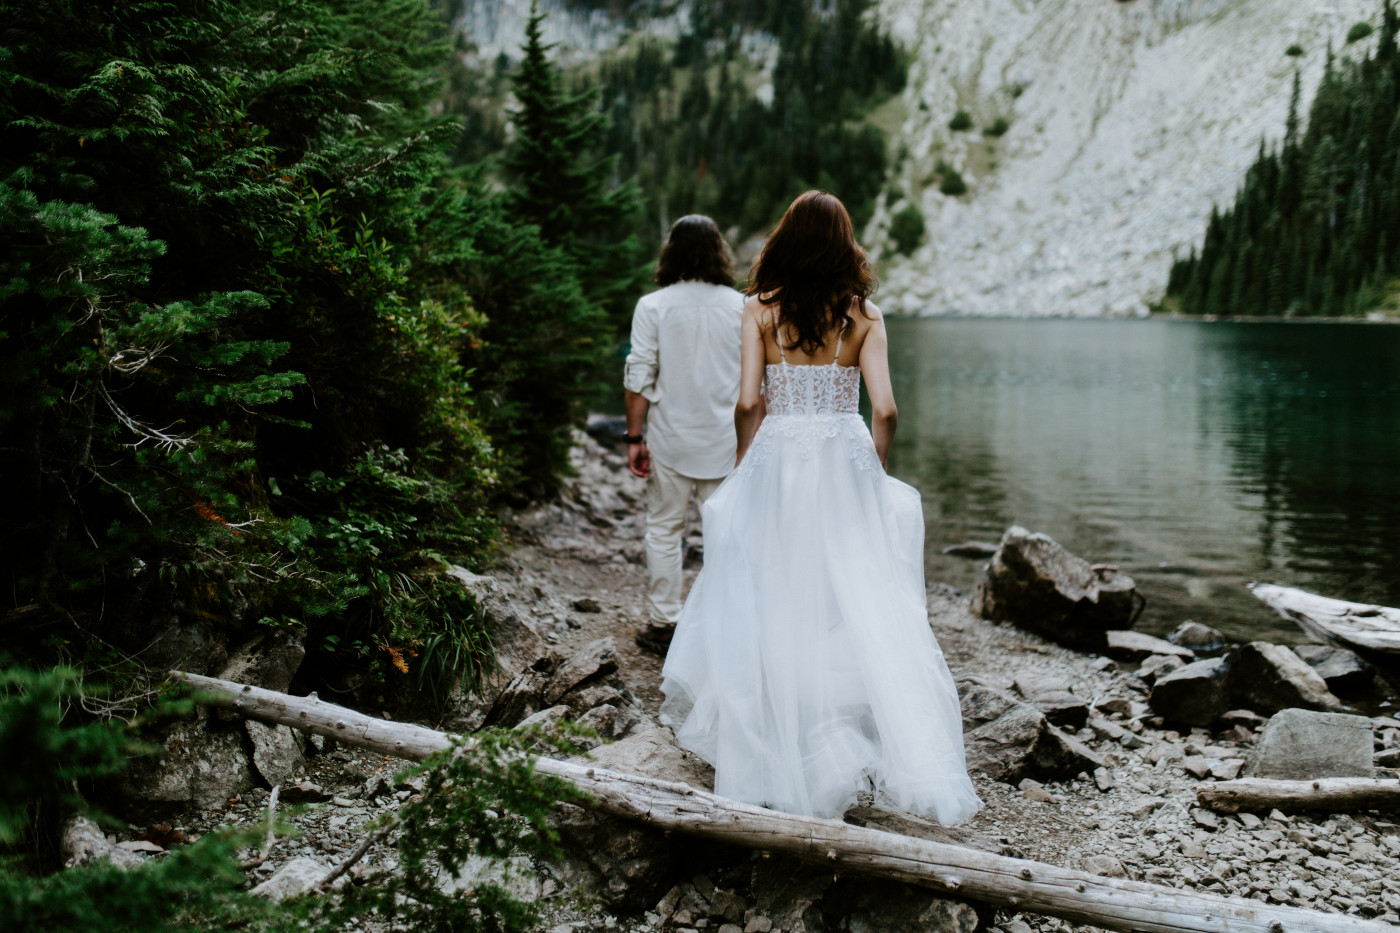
803	667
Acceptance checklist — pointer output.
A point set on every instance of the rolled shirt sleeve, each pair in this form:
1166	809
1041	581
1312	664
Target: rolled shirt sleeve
639	372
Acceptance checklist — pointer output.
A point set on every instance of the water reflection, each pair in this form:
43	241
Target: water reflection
1196	456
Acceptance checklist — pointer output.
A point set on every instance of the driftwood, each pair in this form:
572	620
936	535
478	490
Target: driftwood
1373	632
1321	794
1016	884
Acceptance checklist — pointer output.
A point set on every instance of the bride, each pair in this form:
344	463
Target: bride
803	667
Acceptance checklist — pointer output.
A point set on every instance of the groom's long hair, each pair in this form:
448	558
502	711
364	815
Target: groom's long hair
695	251
812	268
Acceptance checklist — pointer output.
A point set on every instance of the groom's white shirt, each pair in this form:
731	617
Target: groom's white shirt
685	360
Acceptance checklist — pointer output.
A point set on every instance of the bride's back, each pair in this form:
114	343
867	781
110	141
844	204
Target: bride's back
790	351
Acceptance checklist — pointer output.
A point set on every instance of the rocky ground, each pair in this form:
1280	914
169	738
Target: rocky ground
1093	779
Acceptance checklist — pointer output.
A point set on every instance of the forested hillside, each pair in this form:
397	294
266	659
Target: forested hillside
748	106
1315	228
269	357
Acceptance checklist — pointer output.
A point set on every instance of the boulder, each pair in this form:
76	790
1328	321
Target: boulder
1035	584
630	865
1052	695
294	878
1195	695
198	646
654	753
270	659
1269	678
597	659
1062	708
202	764
276	751
1135	646
515	875
1303	745
83	841
1197	637
1008	740
1345	674
519	650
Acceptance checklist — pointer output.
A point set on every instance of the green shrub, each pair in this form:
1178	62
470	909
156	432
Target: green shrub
1358	32
952	183
1293	51
997	127
907	229
962	120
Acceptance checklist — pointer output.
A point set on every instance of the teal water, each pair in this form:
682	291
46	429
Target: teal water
1196	456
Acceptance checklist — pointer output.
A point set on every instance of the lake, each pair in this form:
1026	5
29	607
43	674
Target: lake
1196	456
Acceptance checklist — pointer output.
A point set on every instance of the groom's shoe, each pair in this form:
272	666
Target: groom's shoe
655	638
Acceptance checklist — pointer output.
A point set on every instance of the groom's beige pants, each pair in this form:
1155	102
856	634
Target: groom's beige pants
668	495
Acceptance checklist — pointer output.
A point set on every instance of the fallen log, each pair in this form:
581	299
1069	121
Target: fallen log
1016	884
1322	794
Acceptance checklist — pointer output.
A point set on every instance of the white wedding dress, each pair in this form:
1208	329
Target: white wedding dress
803	666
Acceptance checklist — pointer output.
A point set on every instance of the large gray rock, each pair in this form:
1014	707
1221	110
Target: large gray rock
1037	585
202	763
1345	674
630	865
515	875
1303	745
198	646
519	650
276	752
294	878
596	659
1008	740
1196	694
1268	678
1053	697
270	659
654	753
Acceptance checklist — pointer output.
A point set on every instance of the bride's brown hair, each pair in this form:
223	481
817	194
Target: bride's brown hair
812	268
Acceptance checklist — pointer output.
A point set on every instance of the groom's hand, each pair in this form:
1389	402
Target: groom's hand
639	459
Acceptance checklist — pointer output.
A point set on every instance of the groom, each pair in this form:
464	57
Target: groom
682	381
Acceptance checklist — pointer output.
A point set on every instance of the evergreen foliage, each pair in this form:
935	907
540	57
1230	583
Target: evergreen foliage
962	120
1315	227
907	229
481	799
242	299
951	183
561	183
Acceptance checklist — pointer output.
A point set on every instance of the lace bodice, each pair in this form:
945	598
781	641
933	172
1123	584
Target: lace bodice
811	390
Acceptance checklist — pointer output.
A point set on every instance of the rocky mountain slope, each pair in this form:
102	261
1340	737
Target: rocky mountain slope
1127	121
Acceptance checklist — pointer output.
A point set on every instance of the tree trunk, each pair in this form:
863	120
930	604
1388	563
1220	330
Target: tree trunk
1321	794
1016	884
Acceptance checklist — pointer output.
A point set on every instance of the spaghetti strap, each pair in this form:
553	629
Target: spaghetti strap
840	333
778	338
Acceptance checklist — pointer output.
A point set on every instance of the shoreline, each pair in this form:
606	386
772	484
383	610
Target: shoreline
574	571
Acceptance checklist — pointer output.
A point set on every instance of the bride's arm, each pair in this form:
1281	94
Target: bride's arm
748	414
875	370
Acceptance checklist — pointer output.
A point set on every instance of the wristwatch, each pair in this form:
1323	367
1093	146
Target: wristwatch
632	438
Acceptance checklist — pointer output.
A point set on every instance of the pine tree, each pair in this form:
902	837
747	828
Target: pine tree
561	182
